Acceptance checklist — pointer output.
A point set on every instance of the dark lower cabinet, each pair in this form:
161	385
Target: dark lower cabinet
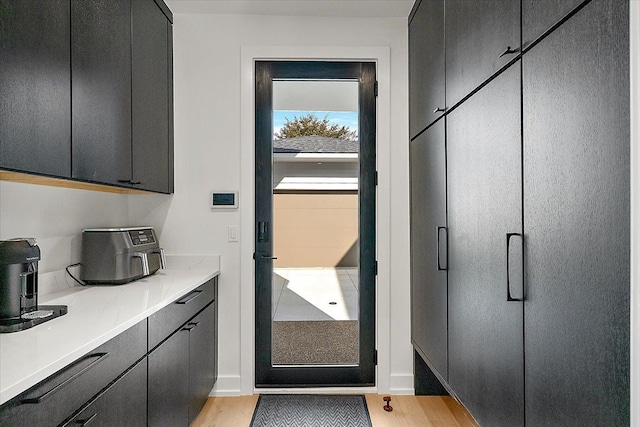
576	204
169	382
202	359
35	104
429	247
484	192
123	404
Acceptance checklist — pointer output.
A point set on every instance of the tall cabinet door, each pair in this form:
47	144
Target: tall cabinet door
101	90
576	205
35	102
484	205
478	34
428	247
150	101
426	65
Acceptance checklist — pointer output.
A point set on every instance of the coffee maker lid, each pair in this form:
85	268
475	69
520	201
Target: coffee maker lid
19	251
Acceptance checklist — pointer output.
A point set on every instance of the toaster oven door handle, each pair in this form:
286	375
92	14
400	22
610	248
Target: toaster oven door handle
145	261
163	259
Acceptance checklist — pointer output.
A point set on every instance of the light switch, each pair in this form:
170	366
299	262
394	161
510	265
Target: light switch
233	233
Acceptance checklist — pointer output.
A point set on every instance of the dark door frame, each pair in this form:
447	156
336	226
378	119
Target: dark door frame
267	375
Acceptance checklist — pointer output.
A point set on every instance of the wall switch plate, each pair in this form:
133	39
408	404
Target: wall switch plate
233	233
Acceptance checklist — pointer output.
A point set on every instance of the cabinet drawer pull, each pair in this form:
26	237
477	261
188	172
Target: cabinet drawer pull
128	181
509	297
509	51
189	297
99	358
88	421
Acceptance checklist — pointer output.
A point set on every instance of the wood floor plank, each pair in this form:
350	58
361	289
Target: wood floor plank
408	411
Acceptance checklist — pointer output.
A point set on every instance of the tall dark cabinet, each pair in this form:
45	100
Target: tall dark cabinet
536	152
429	246
484	193
35	104
576	205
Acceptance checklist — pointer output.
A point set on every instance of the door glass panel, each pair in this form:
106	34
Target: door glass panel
315	223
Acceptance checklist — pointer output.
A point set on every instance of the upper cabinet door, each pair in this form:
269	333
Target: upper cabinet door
35	105
479	34
150	97
426	65
576	205
540	15
101	90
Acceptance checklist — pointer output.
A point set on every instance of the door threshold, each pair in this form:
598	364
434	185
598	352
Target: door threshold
317	390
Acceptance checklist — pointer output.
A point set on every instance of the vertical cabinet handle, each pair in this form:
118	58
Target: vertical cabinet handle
439	232
511	265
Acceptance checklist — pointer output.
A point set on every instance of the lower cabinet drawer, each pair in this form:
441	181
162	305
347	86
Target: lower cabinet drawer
123	404
53	400
169	319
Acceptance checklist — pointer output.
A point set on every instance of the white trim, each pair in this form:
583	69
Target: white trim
315	157
402	384
317	390
227	386
634	40
382	56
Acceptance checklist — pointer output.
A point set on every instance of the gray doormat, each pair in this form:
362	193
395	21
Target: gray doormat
311	410
331	342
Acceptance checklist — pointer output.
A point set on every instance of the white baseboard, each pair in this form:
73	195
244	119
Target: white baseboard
227	386
401	384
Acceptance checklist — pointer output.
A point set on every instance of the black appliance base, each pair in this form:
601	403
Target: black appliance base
16	325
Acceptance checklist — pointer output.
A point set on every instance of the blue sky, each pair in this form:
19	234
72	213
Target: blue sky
341	118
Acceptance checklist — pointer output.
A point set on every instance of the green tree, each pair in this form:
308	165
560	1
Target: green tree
310	125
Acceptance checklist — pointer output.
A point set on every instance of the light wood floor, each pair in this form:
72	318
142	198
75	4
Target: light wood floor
423	411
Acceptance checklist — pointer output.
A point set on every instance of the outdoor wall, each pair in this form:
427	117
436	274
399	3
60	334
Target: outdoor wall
315	229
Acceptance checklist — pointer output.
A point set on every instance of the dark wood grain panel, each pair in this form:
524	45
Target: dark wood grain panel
428	212
484	204
576	180
426	65
540	15
35	100
101	90
477	33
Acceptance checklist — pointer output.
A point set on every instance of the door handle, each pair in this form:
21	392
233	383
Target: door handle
509	297
446	241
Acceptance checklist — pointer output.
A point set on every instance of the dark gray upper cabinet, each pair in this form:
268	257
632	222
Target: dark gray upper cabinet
121	65
428	247
576	178
478	32
150	97
484	194
35	107
101	90
540	15
426	65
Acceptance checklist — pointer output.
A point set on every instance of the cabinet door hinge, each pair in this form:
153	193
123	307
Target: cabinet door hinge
375	89
375	357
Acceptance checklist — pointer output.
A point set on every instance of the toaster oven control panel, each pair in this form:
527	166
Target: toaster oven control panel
142	237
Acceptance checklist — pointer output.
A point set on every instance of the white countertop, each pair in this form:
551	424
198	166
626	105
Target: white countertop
95	315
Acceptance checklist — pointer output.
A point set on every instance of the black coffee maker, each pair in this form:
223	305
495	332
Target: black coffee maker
19	287
18	277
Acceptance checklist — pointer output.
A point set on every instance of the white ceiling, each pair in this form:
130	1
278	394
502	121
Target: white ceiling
335	8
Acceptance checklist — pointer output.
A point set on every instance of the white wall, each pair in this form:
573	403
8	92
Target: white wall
56	217
208	134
